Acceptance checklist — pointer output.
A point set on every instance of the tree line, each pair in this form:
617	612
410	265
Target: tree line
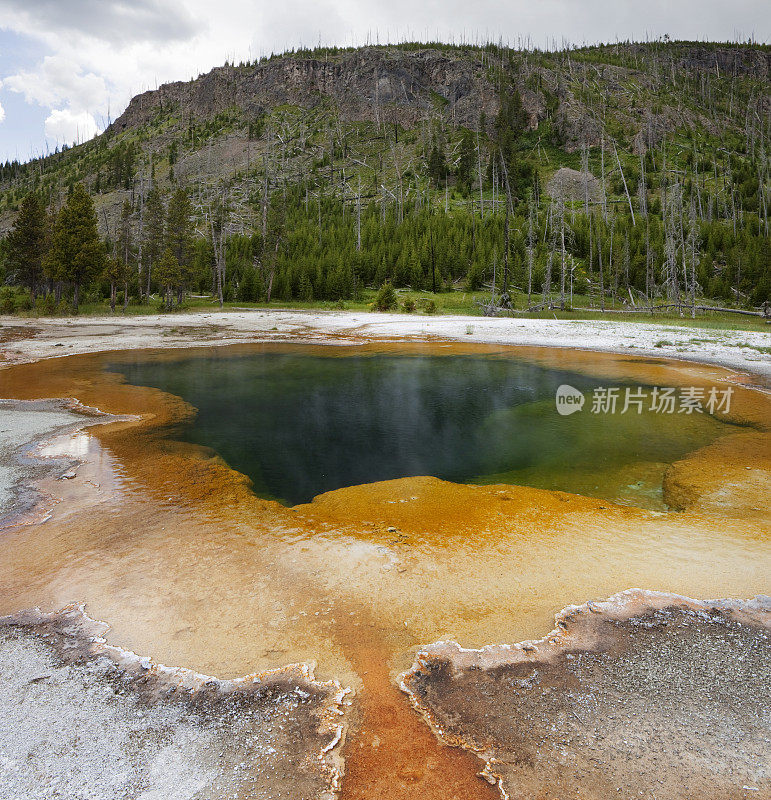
57	254
330	249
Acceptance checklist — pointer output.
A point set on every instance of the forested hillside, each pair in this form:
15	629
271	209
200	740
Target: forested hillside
631	173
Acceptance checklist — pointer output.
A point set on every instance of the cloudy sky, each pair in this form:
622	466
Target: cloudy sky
67	66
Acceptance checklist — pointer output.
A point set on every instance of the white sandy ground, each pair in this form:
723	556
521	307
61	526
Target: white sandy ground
46	338
83	720
101	746
23	423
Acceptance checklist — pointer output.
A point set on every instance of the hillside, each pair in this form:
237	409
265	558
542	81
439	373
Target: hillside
430	164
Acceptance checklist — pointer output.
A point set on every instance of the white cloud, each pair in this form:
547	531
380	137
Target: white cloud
59	80
115	20
67	127
2	112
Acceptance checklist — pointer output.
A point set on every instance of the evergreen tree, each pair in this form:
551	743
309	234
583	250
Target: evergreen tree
510	124
386	298
437	168
155	219
125	249
115	273
125	242
179	234
76	254
26	244
169	276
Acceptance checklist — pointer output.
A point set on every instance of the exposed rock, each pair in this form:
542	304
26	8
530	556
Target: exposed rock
363	84
571	185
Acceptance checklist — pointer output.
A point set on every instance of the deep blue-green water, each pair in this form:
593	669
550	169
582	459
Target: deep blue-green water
299	424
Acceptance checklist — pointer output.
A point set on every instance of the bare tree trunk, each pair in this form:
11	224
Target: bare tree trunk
265	188
561	206
218	246
585	166
648	261
621	170
141	234
358	217
547	276
509	209
602	279
602	170
693	236
481	183
270	285
530	255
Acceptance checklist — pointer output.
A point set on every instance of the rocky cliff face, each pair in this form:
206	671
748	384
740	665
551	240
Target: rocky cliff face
740	61
368	84
391	85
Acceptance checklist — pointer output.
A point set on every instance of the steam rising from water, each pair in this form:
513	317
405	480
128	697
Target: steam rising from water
299	425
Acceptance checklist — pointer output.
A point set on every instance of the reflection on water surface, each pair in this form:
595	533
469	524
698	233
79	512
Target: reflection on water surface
302	424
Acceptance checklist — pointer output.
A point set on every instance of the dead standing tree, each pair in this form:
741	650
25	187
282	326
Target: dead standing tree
217	218
505	298
530	251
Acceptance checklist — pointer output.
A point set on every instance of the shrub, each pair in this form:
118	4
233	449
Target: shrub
48	305
7	306
385	300
409	305
23	302
13	300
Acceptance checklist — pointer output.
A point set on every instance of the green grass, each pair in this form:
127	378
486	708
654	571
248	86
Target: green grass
764	350
458	302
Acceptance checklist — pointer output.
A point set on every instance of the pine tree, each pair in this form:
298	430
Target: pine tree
466	160
115	273
178	226
386	298
510	124
155	219
179	233
169	276
26	245
437	167
76	254
125	249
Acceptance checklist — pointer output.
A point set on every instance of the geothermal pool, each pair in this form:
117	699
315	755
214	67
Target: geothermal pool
300	424
459	538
